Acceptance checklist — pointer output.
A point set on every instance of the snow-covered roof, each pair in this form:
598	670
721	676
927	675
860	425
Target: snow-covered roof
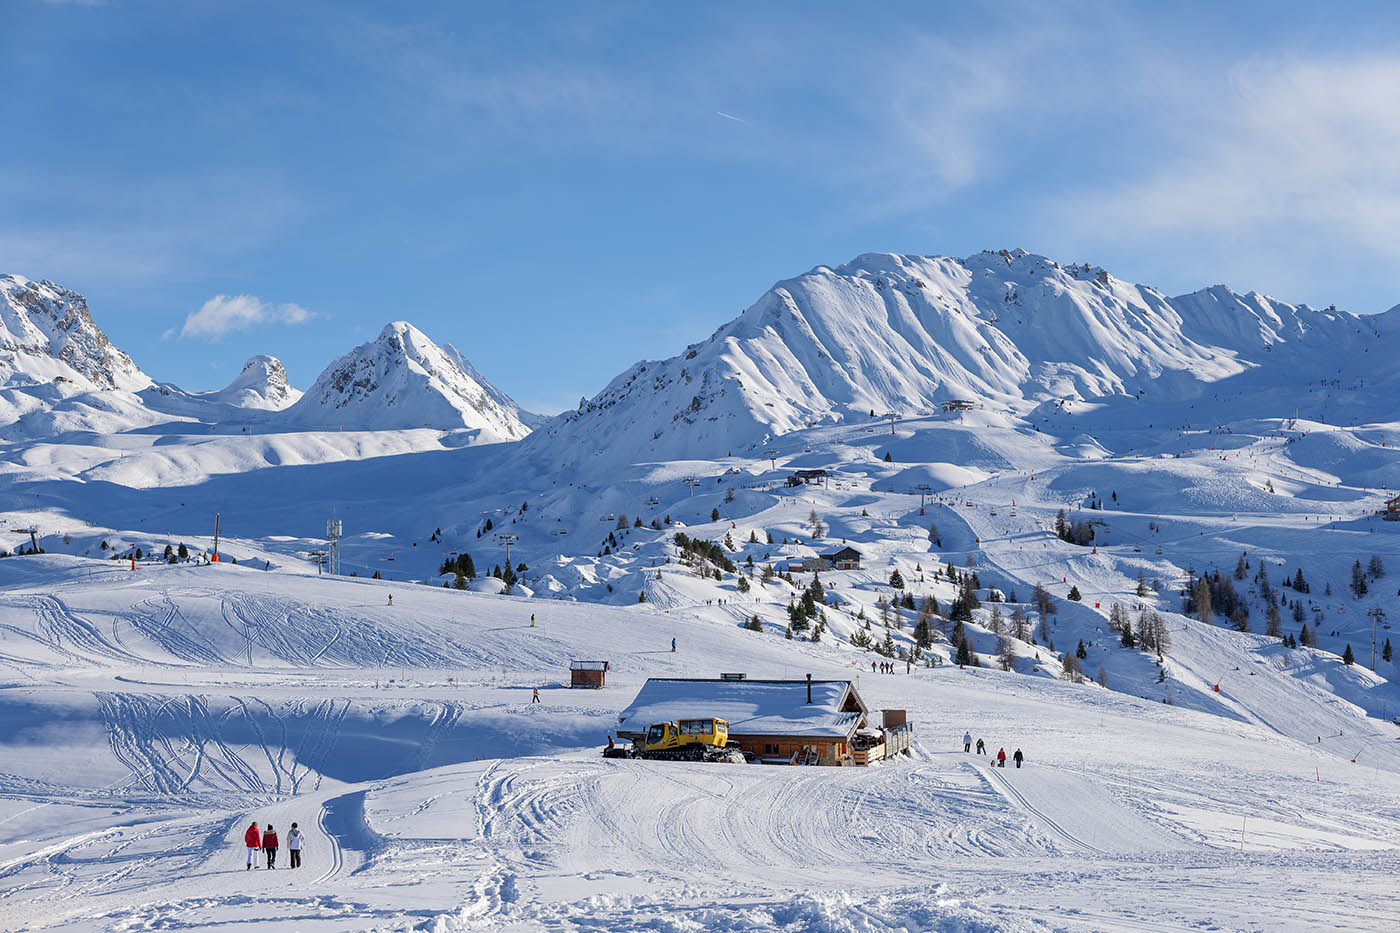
751	707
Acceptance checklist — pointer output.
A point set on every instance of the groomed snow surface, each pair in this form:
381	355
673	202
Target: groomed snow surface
147	716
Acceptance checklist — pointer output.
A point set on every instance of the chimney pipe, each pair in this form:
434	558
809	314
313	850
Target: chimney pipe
809	689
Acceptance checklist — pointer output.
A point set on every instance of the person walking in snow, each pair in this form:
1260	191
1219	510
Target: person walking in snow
967	742
294	847
532	620
1019	757
535	697
1001	758
253	840
269	840
981	747
673	646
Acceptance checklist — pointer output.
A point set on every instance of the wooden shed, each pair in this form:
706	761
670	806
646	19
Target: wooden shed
587	673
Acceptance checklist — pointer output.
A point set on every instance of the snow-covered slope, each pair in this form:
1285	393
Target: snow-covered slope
1008	330
401	379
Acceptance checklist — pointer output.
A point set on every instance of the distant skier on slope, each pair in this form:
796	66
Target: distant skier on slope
1001	758
1019	757
967	742
673	645
253	840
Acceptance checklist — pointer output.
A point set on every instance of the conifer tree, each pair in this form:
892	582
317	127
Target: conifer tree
1347	656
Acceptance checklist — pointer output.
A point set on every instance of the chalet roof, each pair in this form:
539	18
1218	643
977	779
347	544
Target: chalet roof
751	707
846	553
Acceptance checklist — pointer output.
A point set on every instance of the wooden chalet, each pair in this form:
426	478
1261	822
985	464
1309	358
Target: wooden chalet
848	558
1392	509
773	721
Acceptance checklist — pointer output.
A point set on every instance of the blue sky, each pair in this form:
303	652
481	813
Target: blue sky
562	189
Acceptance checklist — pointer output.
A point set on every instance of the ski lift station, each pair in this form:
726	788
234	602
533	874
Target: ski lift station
817	722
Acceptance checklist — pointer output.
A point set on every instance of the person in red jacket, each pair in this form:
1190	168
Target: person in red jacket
270	845
1001	763
253	840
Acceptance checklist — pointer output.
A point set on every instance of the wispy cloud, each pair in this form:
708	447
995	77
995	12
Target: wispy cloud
730	116
224	314
1284	165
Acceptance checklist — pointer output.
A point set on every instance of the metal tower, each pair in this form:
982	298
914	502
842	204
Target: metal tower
333	532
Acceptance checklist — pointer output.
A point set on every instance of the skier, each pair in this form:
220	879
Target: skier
981	747
1019	757
269	841
391	599
535	698
673	646
967	742
253	840
294	847
1001	758
532	620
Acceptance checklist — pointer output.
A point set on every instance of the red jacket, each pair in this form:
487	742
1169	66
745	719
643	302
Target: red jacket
269	840
252	839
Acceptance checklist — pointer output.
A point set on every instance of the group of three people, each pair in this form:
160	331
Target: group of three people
265	841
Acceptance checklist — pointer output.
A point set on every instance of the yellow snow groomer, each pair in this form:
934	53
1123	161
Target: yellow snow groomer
689	740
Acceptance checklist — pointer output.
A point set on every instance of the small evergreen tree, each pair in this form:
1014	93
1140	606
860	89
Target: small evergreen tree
1385	651
1074	593
1347	656
896	580
714	515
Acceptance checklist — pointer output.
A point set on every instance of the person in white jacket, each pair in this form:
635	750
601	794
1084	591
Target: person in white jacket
967	741
294	846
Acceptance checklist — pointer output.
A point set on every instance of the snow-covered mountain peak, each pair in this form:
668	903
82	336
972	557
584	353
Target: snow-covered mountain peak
402	379
889	332
261	384
47	335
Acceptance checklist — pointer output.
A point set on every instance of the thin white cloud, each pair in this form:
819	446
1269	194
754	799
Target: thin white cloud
1250	165
730	116
224	314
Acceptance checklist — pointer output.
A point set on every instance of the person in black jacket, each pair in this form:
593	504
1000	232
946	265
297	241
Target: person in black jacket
1019	757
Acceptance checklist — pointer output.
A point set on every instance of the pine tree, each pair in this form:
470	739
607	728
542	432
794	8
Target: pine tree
1385	651
1273	622
1141	584
964	655
1081	652
1241	568
714	515
1074	594
888	458
896	580
1375	569
1358	580
1347	656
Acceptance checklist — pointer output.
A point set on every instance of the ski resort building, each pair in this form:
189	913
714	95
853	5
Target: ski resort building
1392	509
773	721
848	558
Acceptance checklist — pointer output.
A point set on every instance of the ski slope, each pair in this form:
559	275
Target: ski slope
147	716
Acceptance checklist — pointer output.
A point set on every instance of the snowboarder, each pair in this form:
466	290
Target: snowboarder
253	840
269	841
532	620
673	646
1001	758
535	697
967	742
391	599
981	747
294	847
1019	757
